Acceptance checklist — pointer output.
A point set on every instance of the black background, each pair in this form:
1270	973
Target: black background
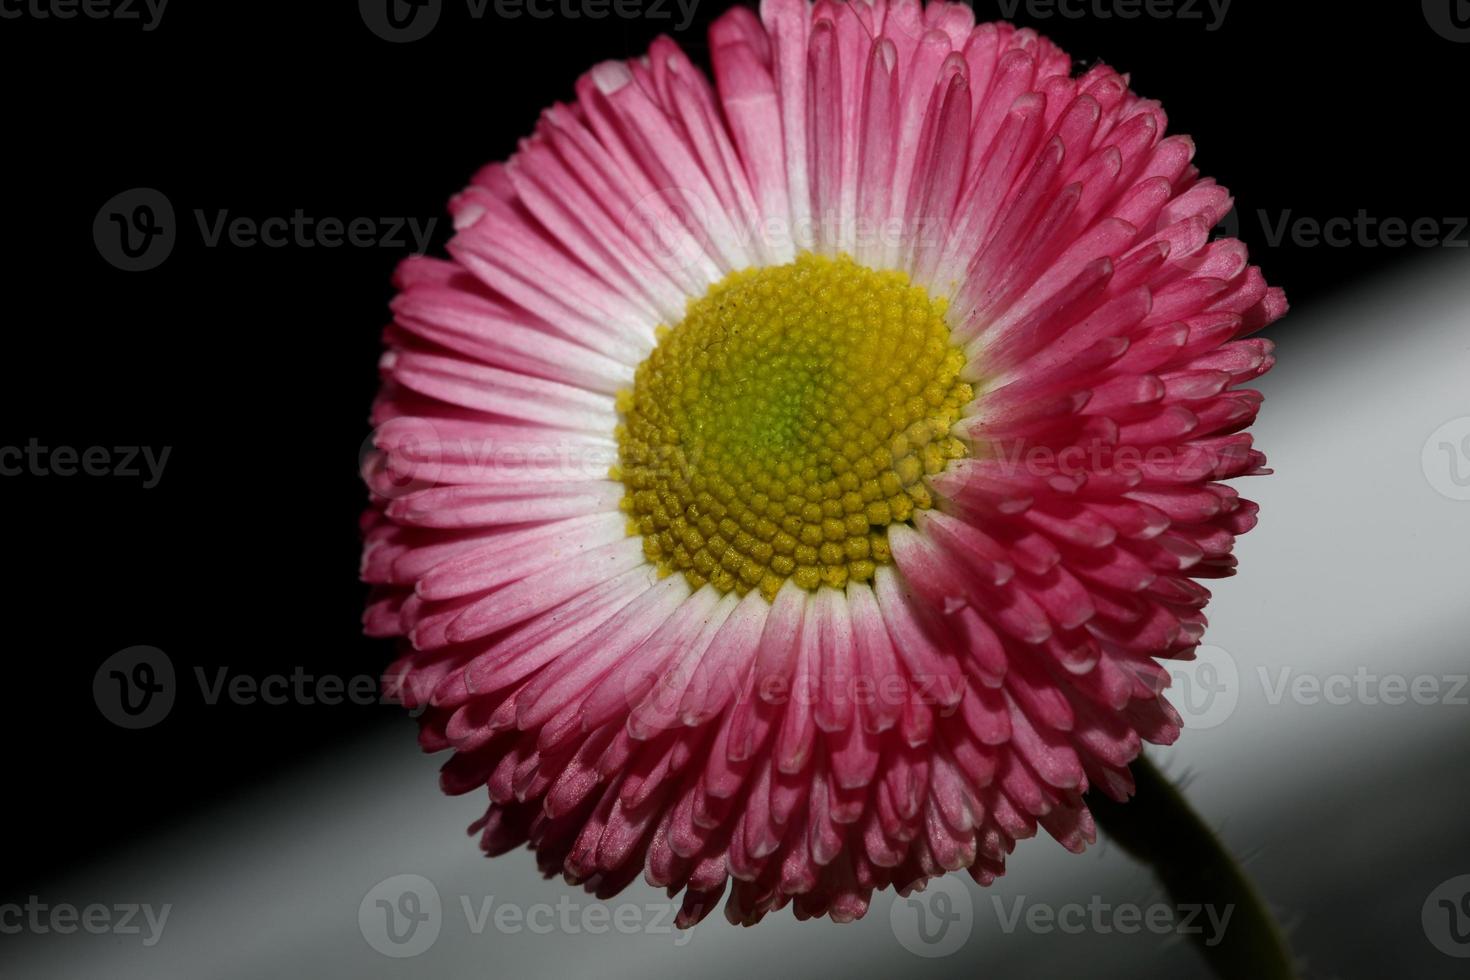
257	365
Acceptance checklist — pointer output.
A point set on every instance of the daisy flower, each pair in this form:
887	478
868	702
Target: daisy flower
790	485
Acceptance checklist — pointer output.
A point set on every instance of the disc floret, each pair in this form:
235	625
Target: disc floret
779	429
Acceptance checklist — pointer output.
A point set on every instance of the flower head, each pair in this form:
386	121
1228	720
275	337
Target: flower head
797	481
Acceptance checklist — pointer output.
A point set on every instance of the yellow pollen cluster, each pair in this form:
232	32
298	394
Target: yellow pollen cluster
789	418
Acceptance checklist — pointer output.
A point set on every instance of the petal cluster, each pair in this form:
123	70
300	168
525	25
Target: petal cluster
810	749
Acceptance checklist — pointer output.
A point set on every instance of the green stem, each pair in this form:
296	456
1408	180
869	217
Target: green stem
1159	827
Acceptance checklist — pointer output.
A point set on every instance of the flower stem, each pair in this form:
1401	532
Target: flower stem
1159	827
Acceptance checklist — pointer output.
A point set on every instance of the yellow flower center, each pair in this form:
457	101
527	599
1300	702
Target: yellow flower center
781	427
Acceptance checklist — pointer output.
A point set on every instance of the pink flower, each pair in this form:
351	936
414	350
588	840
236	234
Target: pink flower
798	480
